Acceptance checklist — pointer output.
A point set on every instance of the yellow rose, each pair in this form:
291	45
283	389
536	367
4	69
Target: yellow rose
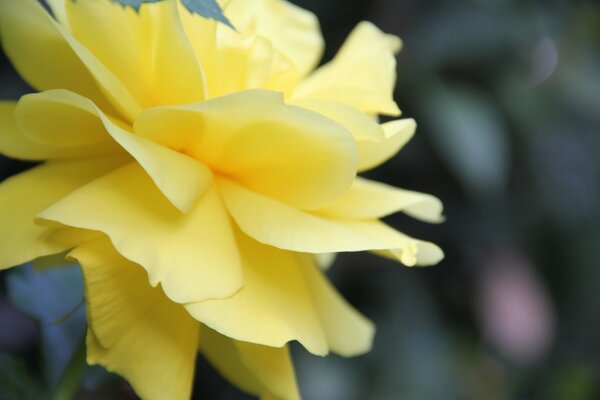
197	173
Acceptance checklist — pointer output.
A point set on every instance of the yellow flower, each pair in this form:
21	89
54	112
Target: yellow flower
196	173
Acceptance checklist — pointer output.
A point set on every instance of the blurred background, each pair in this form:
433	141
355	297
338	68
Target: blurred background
507	98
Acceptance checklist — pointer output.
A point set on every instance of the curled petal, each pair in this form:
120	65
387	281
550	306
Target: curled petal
284	152
292	30
226	67
348	332
362	74
286	297
409	251
260	370
147	52
134	329
396	134
62	119
37	48
373	200
376	143
194	256
57	117
24	241
362	127
273	307
277	224
233	62
14	143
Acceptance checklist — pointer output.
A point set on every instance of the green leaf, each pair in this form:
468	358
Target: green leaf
135	4
470	135
52	296
71	379
206	8
15	381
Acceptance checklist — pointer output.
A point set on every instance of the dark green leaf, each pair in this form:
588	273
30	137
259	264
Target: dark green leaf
15	382
71	379
470	135
53	297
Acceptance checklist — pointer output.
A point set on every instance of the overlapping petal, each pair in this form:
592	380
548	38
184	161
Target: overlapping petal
22	240
182	179
260	218
14	143
284	152
396	134
37	48
362	127
263	371
135	330
292	30
274	305
274	45
60	119
227	66
100	51
221	198
194	255
147	51
376	143
31	38
277	224
285	298
348	332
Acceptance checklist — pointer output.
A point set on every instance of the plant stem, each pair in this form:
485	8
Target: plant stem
69	383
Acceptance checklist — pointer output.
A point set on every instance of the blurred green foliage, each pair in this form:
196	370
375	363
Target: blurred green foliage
507	97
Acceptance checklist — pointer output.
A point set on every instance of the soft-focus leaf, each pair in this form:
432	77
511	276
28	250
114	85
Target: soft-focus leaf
470	135
135	4
15	382
53	297
206	8
71	377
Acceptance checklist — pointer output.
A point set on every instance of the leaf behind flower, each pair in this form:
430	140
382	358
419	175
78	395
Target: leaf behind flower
206	8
